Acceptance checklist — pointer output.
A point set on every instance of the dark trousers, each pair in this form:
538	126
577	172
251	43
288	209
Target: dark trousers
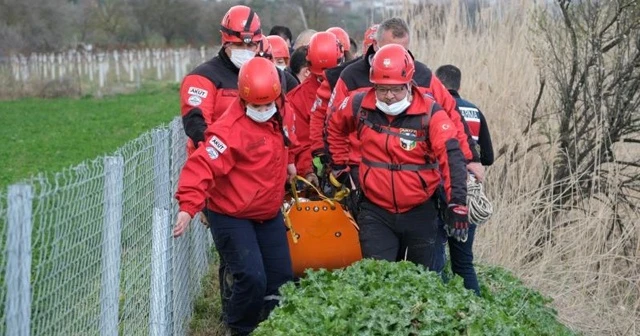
256	257
413	235
462	260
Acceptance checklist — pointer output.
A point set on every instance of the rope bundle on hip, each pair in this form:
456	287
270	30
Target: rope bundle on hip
480	208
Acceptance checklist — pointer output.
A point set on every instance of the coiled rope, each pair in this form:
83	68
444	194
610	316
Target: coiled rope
480	208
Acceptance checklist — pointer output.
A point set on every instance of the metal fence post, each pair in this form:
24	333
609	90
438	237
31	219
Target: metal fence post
18	268
161	227
111	248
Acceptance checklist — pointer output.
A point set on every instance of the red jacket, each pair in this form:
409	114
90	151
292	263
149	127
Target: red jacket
242	167
356	78
319	109
301	100
404	158
205	94
208	90
319	116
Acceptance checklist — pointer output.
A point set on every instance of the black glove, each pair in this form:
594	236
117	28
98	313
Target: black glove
457	222
340	176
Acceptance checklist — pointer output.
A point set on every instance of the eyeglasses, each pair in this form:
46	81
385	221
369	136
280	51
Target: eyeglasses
396	90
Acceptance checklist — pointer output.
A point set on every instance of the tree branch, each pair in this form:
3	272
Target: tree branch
533	119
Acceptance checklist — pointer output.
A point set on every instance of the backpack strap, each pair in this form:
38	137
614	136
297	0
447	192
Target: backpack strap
378	128
356	104
397	166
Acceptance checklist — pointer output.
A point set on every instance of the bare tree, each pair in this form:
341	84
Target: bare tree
32	25
591	53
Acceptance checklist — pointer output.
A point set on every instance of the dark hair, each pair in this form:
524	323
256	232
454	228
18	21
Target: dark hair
282	31
354	45
450	76
298	60
278	119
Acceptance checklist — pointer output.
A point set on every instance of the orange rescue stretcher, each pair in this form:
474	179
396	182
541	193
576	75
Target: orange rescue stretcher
321	233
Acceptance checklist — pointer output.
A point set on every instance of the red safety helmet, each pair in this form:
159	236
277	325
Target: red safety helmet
258	81
264	49
391	64
324	52
240	24
342	36
279	47
369	37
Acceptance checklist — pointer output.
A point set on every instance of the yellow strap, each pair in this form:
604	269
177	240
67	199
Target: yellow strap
340	194
287	223
294	191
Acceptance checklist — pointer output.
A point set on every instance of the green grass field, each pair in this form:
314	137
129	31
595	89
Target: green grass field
47	135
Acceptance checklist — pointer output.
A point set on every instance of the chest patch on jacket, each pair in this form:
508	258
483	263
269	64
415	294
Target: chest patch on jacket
407	144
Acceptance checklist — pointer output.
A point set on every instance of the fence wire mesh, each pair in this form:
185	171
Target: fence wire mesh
66	251
190	255
3	261
137	215
102	255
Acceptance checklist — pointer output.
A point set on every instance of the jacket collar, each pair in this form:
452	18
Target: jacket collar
227	61
454	93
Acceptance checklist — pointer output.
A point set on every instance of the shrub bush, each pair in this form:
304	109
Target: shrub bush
383	298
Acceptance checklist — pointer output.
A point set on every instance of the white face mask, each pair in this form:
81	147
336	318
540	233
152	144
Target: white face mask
241	56
259	116
395	108
281	67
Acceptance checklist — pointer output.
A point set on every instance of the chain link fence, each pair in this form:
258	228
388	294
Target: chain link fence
89	251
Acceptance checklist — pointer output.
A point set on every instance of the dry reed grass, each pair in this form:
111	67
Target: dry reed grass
592	275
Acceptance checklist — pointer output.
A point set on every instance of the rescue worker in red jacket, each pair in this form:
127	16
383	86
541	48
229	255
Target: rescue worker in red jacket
354	78
345	42
280	51
208	90
242	169
319	109
408	146
324	51
266	50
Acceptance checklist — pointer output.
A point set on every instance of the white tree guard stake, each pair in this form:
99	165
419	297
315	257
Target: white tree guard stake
176	66
24	70
111	248
18	268
71	63
129	65
147	59
159	317
15	67
34	66
139	69
85	62
45	67
52	65
61	66
116	59
77	61
203	53
156	60
90	69
101	70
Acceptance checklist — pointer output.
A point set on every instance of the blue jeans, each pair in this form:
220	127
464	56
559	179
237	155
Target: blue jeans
462	260
256	256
